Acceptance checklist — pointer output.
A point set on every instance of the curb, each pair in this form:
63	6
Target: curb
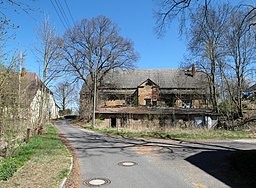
70	169
67	182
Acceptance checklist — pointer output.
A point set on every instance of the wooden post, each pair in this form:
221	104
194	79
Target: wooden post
28	135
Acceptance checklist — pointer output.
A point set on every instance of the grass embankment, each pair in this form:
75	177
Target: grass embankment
43	162
177	133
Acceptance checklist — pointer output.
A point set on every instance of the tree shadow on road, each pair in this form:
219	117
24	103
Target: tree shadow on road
227	166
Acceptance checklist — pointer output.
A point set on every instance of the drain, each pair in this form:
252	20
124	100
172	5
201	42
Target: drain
96	182
127	163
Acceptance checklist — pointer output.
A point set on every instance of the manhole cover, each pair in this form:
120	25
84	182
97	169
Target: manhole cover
96	182
127	163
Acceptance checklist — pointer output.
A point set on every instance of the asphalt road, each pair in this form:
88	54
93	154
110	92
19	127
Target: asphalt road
157	163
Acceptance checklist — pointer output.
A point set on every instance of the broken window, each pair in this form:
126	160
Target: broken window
148	102
187	103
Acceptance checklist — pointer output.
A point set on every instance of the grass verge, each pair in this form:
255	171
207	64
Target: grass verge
44	161
177	133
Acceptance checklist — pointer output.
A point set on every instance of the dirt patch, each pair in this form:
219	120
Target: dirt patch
147	150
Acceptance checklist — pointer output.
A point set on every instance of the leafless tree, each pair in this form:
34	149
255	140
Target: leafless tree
94	47
13	111
48	51
240	56
206	35
168	10
65	95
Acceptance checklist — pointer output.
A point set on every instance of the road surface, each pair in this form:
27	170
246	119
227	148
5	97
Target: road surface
140	163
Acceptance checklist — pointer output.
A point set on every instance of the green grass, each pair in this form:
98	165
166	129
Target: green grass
63	173
43	145
177	133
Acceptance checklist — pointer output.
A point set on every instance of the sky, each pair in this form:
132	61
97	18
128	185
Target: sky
134	18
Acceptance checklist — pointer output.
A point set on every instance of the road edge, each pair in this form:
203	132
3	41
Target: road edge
74	169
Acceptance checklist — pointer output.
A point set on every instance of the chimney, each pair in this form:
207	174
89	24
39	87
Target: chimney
23	72
193	71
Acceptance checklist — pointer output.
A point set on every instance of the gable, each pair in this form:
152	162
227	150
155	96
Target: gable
148	82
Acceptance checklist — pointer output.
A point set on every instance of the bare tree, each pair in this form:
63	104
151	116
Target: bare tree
168	10
48	51
206	37
65	95
240	56
13	112
92	48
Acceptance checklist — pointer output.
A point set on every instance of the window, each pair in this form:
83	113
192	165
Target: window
154	103
187	103
148	102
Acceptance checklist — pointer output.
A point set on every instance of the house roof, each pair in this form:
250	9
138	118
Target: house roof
164	78
31	83
26	85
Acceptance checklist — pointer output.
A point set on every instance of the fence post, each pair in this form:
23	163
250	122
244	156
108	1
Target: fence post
28	135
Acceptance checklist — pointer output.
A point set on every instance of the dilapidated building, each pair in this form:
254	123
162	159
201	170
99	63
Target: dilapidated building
127	94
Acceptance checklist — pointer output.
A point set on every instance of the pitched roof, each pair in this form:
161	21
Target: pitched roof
26	85
164	78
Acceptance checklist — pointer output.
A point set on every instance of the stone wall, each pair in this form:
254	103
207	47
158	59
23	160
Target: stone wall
147	91
144	122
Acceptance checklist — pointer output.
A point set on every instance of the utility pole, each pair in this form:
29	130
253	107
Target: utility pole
94	99
19	89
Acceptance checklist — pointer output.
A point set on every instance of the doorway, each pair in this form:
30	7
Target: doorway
113	122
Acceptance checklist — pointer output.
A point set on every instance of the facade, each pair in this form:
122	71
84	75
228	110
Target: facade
39	98
158	92
25	103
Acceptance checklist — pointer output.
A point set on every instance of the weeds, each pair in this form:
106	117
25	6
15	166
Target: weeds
176	133
42	145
